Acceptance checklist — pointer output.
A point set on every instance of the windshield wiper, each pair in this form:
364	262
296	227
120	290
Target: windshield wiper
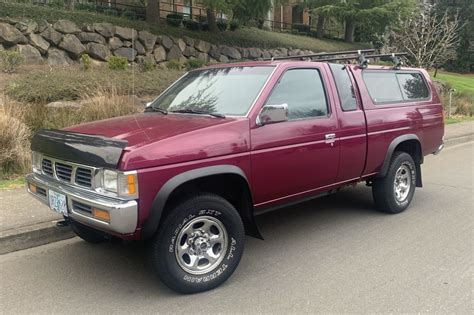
152	108
191	111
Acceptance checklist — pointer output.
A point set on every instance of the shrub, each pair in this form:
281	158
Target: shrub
57	4
117	63
14	138
301	28
111	12
222	25
174	64
86	62
129	14
147	65
192	25
234	25
174	19
194	63
90	7
10	60
464	106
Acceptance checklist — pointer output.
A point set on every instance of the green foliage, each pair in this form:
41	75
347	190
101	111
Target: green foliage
86	62
234	25
192	25
147	65
222	25
246	10
85	6
58	4
111	12
194	64
129	14
117	63
174	64
301	28
10	60
174	19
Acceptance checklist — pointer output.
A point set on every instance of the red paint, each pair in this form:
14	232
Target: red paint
283	161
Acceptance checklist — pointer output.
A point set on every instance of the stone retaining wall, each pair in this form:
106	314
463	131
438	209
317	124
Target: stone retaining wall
63	42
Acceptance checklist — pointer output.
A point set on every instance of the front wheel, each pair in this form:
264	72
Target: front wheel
394	192
199	244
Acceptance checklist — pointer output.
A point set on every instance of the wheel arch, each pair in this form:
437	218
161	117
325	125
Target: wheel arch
409	143
224	176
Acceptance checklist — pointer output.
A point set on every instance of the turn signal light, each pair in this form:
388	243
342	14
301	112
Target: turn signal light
101	214
32	188
131	184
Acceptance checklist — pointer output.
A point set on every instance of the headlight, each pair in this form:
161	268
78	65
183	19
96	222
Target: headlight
124	184
36	161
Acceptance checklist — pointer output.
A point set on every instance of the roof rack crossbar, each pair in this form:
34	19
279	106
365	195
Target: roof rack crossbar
335	53
353	57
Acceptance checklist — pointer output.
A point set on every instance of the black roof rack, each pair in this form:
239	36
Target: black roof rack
347	55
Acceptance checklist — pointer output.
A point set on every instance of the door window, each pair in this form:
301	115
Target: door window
344	87
303	91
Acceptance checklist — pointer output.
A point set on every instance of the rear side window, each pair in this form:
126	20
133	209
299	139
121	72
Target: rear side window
303	91
344	87
393	87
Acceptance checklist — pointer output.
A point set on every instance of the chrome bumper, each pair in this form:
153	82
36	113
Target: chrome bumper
123	213
439	149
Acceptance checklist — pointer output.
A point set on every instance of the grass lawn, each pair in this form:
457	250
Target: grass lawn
12	183
457	119
462	83
245	37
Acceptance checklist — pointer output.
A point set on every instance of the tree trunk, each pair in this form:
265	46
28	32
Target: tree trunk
153	11
211	20
70	5
349	33
320	27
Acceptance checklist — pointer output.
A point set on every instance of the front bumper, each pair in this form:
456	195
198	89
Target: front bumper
123	213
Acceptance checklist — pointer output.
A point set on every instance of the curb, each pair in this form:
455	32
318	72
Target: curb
47	232
33	235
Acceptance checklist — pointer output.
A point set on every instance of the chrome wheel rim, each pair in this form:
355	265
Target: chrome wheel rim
201	245
402	183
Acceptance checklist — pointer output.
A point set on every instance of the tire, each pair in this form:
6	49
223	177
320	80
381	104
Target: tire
87	234
189	257
394	192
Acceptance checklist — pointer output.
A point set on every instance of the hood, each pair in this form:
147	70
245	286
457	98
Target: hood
155	139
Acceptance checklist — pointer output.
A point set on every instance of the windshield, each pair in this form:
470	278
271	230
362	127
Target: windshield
227	91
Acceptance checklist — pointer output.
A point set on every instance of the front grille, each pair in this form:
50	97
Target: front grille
81	207
69	172
47	167
83	177
41	191
63	171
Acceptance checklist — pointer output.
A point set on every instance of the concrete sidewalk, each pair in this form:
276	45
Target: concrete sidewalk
25	222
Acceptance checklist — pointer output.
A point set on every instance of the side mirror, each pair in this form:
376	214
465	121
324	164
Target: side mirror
271	114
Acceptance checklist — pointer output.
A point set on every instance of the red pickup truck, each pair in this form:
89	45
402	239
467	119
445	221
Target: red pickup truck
228	142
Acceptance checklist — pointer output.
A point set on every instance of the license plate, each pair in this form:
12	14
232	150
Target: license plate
57	202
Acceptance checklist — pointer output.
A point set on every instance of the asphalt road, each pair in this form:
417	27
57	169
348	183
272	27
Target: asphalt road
335	254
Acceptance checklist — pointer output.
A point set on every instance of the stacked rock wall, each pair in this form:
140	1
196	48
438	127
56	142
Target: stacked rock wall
63	42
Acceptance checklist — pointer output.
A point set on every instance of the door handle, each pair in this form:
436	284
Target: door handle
330	136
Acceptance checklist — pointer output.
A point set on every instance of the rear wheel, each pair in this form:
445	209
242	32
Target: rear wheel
394	192
87	234
199	244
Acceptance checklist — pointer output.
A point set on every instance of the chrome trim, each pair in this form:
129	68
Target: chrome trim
123	212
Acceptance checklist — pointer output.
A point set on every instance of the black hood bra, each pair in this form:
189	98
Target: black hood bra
79	148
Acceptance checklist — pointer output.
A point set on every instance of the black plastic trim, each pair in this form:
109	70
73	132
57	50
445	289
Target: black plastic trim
388	157
151	224
84	149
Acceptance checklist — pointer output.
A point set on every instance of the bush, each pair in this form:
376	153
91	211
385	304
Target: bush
174	19
111	12
192	25
57	4
86	62
147	65
10	60
234	25
174	64
117	63
464	106
129	14
14	138
194	63
90	7
222	25
301	28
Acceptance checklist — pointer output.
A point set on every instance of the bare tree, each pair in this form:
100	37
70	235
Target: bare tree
428	37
